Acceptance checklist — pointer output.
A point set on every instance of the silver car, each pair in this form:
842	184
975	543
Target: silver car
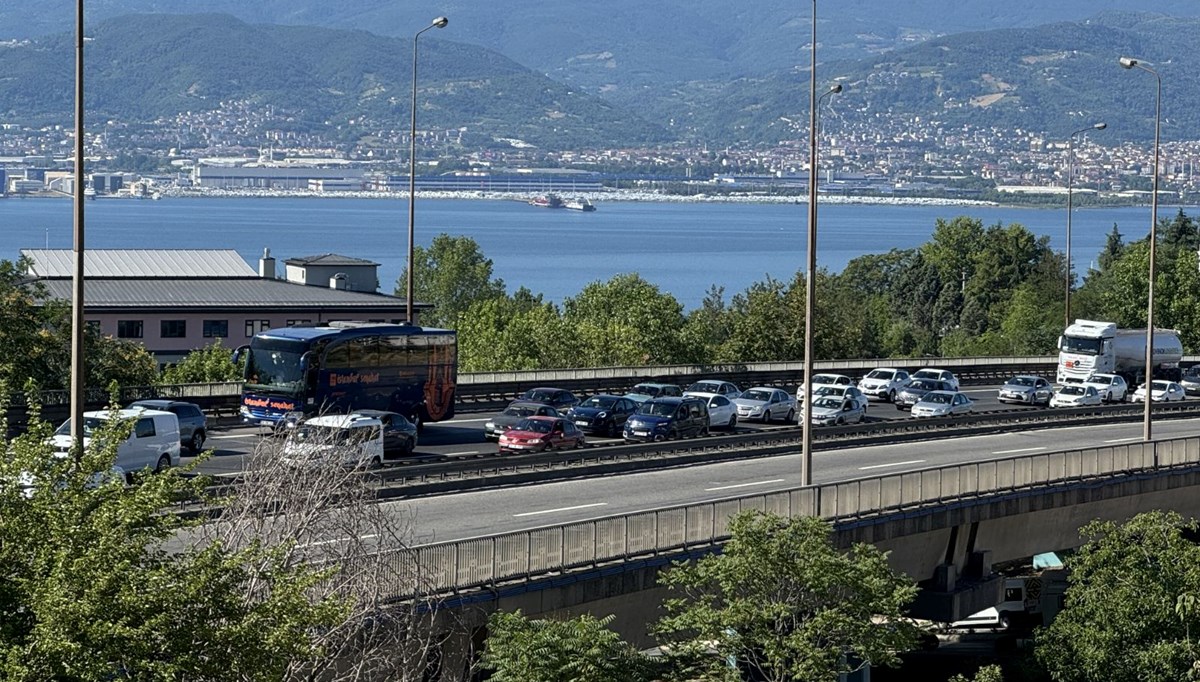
765	404
937	375
1191	380
1026	389
912	392
942	404
831	410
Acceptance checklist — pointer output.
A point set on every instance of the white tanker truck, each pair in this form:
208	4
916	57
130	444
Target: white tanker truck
1089	347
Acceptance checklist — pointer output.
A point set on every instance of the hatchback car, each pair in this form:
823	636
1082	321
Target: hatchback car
1076	395
766	404
725	388
883	383
942	404
559	398
515	412
912	392
668	418
643	392
1111	387
602	414
540	434
937	375
399	434
1191	380
1025	389
722	412
829	410
1160	392
193	425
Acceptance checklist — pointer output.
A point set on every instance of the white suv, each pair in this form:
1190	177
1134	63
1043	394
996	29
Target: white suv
883	383
359	440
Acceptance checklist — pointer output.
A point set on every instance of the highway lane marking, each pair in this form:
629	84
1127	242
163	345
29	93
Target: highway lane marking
893	464
1013	452
744	485
234	437
330	542
468	452
1123	440
562	509
467	421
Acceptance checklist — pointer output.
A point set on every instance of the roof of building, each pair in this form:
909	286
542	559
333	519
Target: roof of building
332	259
168	263
250	292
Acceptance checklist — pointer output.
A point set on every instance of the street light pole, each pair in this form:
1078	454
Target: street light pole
1070	174
77	324
1129	63
439	22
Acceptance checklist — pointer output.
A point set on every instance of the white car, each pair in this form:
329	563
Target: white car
722	412
1076	395
1160	392
883	383
937	375
942	404
725	388
1111	387
850	392
820	380
357	439
829	410
766	404
152	444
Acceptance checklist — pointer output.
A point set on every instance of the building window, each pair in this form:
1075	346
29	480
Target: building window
297	323
216	329
173	329
255	326
129	329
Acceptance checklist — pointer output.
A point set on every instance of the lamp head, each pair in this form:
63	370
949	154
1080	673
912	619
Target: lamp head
440	22
835	88
1100	126
1127	62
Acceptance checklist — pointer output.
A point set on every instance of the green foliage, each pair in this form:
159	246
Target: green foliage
1130	612
783	602
210	364
988	673
452	274
92	588
581	649
626	321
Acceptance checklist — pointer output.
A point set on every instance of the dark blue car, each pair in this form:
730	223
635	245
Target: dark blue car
602	414
667	419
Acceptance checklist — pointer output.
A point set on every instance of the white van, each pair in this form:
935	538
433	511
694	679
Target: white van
154	443
358	438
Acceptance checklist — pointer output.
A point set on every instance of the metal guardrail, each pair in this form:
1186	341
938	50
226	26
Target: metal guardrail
485	561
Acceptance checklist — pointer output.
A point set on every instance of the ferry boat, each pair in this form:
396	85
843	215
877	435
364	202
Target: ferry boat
547	201
579	205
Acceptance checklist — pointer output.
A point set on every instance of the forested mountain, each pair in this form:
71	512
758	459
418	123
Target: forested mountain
142	67
625	44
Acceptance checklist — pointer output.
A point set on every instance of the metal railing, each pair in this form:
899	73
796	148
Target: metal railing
483	561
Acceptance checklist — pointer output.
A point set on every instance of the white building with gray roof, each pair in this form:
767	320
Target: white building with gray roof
177	300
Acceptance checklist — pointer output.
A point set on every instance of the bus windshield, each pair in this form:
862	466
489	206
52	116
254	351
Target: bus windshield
274	365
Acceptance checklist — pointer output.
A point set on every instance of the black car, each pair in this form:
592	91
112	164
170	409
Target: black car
399	434
602	414
515	412
666	419
559	398
193	425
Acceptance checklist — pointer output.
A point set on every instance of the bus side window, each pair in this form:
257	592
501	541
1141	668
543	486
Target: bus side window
338	356
364	352
393	351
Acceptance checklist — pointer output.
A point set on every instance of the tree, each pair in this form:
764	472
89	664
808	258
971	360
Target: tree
988	673
581	649
1130	604
626	321
451	274
92	589
785	604
210	364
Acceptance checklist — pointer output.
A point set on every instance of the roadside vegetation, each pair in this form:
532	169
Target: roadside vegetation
970	290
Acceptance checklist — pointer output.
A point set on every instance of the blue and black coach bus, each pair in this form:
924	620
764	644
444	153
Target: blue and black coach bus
349	366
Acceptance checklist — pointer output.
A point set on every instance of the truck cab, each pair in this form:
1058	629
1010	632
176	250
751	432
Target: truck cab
1084	349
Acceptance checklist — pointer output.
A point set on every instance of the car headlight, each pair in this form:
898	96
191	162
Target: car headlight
489	425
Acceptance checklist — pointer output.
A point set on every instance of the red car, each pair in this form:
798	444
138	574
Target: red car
539	434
